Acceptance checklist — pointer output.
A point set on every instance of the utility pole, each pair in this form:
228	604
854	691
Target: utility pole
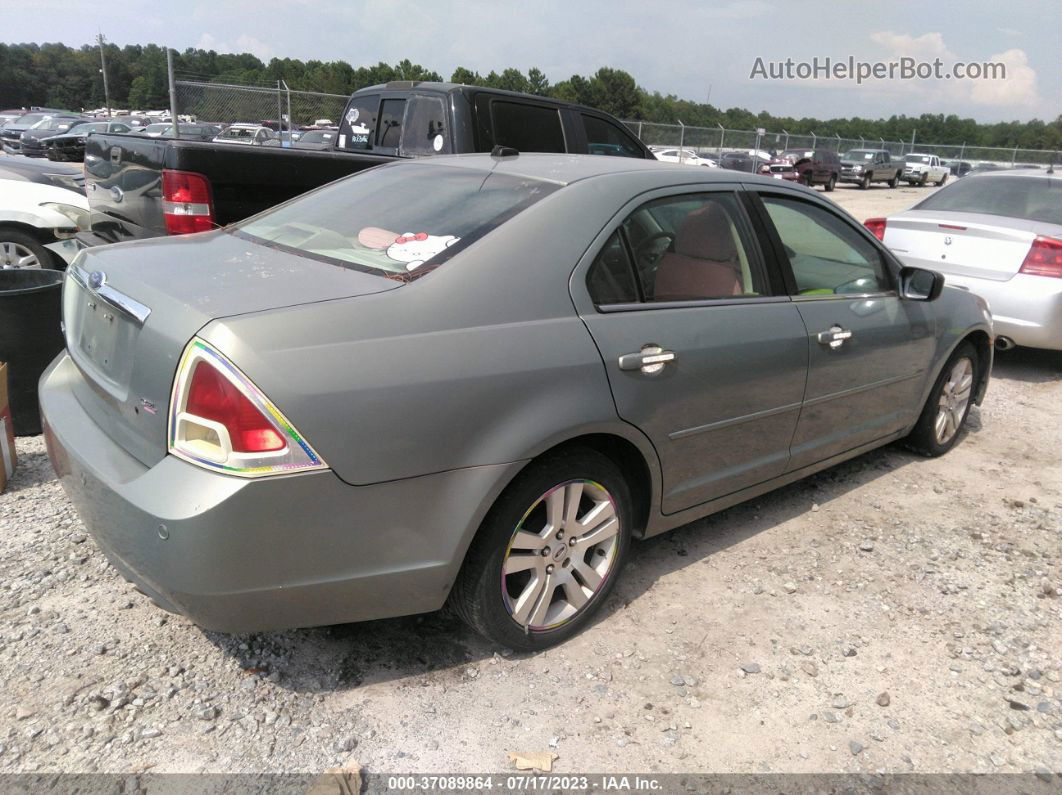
173	94
103	70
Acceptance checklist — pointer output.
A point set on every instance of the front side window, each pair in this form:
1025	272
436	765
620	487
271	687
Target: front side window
397	220
605	138
827	256
693	247
389	132
358	124
426	130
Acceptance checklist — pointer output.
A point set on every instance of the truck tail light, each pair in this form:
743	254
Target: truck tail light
876	227
220	420
1044	258
187	202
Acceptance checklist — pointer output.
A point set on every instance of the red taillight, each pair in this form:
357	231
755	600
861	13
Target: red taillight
213	397
1044	258
187	204
876	227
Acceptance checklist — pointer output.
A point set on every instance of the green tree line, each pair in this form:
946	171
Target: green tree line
55	75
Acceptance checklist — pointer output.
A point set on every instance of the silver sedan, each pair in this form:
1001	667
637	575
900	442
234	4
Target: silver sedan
475	379
998	235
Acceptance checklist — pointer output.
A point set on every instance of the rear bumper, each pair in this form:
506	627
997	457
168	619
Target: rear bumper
240	555
1027	309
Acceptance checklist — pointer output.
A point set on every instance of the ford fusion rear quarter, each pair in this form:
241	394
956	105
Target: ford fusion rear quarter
477	379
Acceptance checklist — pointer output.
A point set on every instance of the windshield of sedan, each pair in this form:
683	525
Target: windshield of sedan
398	221
1034	198
858	154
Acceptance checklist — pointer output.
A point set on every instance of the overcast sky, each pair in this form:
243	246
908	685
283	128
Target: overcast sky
683	48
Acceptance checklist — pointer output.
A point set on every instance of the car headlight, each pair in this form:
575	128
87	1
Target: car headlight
78	216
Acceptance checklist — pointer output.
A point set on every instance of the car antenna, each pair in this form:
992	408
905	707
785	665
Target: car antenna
500	150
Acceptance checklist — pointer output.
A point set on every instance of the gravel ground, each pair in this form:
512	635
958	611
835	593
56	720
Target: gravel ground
890	614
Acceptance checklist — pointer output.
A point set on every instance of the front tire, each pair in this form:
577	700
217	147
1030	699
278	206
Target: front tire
938	428
20	250
865	182
548	553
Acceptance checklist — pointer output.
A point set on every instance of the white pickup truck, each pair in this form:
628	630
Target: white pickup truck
920	169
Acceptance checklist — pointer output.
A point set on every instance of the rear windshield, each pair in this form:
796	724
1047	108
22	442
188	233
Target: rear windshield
238	133
1034	198
917	158
399	220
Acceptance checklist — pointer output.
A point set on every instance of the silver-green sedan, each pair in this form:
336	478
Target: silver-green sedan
475	379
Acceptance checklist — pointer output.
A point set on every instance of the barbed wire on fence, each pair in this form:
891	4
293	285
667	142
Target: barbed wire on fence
229	102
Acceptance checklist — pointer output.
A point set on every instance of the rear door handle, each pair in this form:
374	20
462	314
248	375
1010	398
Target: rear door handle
650	359
835	337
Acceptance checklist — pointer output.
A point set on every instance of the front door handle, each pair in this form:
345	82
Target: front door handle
650	359
835	337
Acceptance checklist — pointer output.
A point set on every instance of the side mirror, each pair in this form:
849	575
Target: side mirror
919	284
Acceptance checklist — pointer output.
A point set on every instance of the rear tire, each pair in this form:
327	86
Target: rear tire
940	425
894	181
942	181
526	552
832	183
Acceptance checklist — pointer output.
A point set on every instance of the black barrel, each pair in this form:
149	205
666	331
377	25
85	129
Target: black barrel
30	337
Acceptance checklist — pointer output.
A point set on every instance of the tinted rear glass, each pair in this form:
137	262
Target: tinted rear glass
527	128
1035	198
398	220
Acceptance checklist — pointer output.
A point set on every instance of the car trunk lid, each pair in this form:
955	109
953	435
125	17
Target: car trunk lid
950	242
129	311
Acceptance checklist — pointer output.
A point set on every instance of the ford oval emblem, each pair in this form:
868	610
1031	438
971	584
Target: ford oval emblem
97	279
117	194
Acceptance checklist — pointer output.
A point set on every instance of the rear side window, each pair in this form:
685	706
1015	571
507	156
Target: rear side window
611	278
426	130
358	124
397	220
389	131
605	138
527	128
693	247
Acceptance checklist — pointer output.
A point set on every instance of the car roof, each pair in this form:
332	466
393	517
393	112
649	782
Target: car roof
565	169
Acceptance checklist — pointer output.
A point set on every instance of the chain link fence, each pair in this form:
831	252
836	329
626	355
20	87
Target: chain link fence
717	140
223	103
226	103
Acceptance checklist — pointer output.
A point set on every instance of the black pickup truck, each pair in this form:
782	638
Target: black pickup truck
147	187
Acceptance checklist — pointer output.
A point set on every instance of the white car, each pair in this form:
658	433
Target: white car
247	135
41	207
920	169
687	157
998	235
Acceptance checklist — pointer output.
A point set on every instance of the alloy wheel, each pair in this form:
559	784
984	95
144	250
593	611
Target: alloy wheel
560	555
954	398
15	255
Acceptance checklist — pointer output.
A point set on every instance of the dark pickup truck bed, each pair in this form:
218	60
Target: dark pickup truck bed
130	199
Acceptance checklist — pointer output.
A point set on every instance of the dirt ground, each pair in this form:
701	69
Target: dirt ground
893	613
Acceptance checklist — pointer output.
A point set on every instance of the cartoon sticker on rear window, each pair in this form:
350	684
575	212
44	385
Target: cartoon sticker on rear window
411	248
